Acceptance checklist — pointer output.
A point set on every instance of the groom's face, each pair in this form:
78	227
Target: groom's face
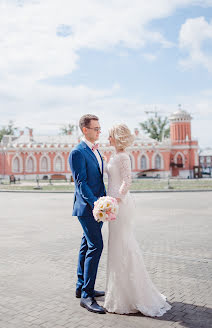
93	131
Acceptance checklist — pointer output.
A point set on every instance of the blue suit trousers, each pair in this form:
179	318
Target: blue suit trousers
89	255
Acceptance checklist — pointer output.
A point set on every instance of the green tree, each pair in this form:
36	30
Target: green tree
7	130
67	129
156	127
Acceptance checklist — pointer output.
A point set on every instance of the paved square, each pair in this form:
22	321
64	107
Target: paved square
39	243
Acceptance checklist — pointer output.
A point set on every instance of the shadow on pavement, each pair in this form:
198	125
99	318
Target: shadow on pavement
187	315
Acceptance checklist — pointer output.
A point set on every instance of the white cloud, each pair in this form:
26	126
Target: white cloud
194	32
31	47
39	106
31	50
47	109
149	57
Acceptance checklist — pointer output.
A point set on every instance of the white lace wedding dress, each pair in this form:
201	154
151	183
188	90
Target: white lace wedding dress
129	288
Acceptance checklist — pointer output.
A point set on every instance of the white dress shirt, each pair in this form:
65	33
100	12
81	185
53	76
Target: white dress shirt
90	145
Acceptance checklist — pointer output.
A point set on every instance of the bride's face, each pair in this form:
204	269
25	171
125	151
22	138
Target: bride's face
111	140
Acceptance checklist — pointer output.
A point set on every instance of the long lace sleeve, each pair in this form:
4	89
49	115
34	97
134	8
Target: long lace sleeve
125	171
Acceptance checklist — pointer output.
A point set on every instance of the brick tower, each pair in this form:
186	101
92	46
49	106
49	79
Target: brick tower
180	127
184	152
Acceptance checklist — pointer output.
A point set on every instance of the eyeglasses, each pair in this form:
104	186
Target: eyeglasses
95	129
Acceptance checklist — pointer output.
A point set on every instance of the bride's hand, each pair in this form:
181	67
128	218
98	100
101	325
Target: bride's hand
118	200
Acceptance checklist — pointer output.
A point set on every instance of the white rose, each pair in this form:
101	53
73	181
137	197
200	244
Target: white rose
101	216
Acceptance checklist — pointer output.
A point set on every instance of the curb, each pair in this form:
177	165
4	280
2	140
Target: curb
38	191
168	190
132	191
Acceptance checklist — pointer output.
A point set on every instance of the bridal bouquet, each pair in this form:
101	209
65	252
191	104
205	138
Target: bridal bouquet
105	209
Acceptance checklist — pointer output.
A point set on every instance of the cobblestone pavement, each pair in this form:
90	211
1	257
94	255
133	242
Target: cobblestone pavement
39	242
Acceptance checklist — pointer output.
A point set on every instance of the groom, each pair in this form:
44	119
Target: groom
87	169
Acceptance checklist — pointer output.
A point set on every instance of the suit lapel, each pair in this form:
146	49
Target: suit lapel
102	162
90	152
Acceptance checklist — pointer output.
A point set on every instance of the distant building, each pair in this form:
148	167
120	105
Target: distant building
29	156
205	161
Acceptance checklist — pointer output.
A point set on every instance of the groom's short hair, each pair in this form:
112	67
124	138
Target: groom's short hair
86	119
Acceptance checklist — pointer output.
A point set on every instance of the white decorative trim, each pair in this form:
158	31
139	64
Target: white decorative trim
185	147
184	174
132	160
196	158
20	163
48	163
101	148
68	166
153	161
34	160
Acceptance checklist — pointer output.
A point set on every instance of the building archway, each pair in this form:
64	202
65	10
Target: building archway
132	161
17	164
157	161
143	161
31	164
45	165
179	161
59	164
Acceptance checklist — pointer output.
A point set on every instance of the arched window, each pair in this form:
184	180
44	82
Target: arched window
16	165
30	165
158	162
143	162
44	164
58	164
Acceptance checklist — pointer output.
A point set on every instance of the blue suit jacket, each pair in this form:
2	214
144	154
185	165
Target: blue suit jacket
89	185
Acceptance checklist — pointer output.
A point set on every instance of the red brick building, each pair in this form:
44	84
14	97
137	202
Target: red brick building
28	156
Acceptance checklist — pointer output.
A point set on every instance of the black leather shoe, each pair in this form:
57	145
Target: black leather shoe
90	304
96	293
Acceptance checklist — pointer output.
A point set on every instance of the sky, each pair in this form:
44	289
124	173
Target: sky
117	59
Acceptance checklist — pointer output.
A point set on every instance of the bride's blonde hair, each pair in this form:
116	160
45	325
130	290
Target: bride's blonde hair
122	135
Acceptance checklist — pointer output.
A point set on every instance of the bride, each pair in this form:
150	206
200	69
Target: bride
129	288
